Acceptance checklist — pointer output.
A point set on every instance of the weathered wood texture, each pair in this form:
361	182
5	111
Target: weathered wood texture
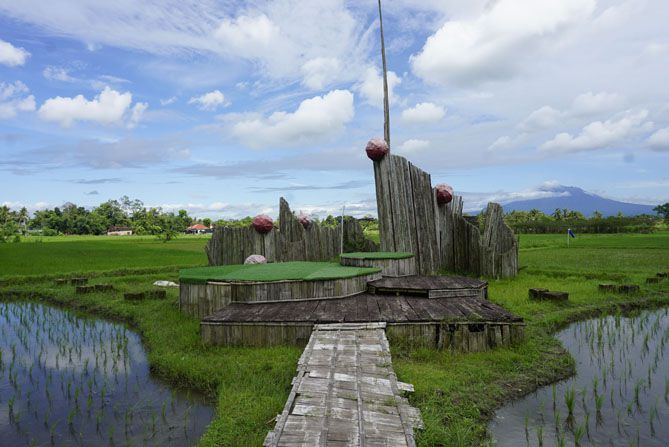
275	323
456	336
346	393
406	211
439	235
389	267
431	286
463	249
499	247
200	300
290	242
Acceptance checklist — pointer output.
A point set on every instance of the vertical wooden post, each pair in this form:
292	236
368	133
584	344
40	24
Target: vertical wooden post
386	105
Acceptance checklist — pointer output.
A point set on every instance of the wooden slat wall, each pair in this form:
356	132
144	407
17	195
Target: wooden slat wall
291	242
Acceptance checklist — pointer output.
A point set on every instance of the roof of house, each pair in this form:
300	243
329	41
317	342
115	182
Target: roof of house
198	227
118	228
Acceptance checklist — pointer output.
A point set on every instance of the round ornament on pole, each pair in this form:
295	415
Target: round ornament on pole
377	148
444	193
304	220
262	223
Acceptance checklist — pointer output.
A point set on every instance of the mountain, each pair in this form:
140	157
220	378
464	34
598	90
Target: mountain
573	198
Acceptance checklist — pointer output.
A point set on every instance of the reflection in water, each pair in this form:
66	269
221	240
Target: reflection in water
66	380
619	396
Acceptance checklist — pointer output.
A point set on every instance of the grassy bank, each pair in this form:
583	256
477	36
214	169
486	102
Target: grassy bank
456	393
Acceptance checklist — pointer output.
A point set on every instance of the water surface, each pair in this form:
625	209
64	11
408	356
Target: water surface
66	380
619	396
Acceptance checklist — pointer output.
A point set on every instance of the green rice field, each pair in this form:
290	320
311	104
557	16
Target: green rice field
456	393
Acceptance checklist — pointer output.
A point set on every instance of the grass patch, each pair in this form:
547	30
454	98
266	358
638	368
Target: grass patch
456	393
280	271
378	255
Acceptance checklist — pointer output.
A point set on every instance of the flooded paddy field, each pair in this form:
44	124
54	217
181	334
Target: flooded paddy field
67	380
618	397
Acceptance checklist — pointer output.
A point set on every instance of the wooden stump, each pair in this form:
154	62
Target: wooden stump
61	281
104	287
628	288
662	275
78	281
155	294
535	293
554	296
80	290
134	296
653	280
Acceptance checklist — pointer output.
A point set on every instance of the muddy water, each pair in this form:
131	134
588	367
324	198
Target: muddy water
619	396
66	380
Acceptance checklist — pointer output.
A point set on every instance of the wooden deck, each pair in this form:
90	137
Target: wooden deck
364	307
457	324
431	286
346	393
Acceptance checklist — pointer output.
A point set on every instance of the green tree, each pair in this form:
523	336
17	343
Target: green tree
663	210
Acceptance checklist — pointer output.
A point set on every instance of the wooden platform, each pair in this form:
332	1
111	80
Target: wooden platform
346	393
199	300
431	286
394	267
465	324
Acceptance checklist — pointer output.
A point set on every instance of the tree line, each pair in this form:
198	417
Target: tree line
78	220
535	221
72	219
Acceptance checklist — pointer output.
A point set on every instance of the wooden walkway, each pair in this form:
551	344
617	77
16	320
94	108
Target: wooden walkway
346	393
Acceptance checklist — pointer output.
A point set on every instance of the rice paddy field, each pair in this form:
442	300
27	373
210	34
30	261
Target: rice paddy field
458	394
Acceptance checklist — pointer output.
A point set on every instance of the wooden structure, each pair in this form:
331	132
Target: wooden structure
395	267
431	287
200	300
411	219
460	323
290	242
346	393
406	211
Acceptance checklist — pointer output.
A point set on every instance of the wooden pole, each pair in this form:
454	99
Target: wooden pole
341	241
386	105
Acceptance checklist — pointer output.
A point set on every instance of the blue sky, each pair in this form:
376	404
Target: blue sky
222	107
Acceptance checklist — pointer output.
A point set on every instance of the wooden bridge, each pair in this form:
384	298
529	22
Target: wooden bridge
346	393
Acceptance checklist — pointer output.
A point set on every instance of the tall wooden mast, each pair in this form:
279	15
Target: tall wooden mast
386	105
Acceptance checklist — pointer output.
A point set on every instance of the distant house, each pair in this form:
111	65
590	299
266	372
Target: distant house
199	229
119	231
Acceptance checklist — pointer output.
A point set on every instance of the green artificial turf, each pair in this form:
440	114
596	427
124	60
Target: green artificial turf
279	271
378	255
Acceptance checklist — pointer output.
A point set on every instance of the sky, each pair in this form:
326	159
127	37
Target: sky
222	107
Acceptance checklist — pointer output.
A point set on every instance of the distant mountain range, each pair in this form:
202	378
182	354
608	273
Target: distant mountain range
577	199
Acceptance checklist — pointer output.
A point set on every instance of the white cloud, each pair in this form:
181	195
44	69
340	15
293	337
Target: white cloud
507	142
57	74
109	107
209	101
12	56
423	113
592	103
137	114
598	134
542	118
314	118
14	98
320	72
660	140
489	47
168	101
251	36
371	86
413	145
